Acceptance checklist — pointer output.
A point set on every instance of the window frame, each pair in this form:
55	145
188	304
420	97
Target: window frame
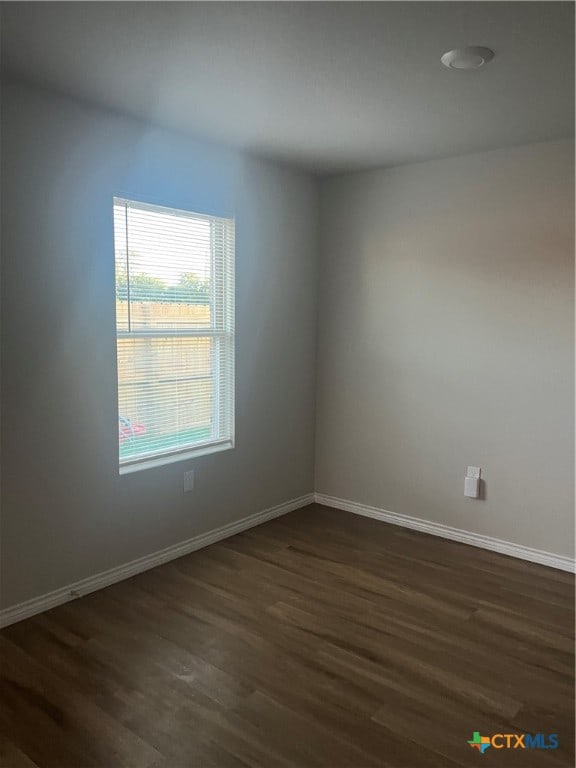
218	334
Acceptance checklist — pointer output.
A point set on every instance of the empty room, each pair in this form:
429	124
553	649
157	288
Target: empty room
287	357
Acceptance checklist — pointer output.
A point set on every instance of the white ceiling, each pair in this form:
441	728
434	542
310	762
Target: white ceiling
326	86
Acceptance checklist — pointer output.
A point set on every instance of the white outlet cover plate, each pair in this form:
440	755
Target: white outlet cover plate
471	488
188	480
473	472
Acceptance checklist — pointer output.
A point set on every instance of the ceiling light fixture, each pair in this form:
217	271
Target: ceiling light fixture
471	57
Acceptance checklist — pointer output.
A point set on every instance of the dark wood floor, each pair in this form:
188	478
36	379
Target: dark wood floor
318	639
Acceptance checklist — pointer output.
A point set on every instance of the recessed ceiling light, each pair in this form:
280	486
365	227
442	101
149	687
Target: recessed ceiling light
471	57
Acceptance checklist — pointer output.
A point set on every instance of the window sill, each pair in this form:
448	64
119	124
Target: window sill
171	458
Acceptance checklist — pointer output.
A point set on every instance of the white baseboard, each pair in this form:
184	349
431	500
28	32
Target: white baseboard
560	562
99	581
92	583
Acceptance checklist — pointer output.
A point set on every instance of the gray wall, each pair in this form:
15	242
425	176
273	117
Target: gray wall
66	512
446	339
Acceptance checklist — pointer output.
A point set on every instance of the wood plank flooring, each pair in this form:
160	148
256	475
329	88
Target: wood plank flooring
318	639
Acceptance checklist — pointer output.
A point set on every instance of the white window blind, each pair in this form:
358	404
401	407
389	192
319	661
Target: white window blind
175	333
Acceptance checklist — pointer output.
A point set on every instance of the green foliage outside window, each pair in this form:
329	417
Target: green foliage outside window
190	289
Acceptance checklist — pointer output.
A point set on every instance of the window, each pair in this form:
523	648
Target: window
175	333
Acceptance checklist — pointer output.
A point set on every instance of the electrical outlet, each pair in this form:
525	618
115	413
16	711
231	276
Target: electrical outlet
473	472
188	480
472	487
